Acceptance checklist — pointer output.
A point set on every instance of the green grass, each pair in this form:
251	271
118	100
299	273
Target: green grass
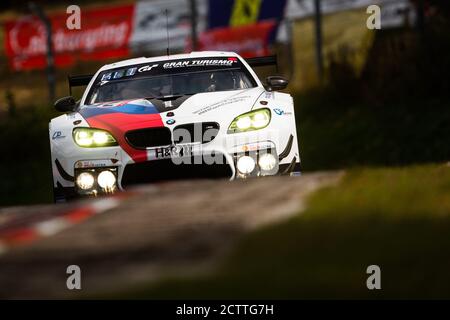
397	218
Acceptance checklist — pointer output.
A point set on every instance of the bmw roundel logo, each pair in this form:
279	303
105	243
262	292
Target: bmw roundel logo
170	121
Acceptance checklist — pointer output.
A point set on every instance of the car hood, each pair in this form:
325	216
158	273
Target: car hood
218	105
145	113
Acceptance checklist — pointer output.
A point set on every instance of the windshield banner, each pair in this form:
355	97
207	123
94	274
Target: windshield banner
168	67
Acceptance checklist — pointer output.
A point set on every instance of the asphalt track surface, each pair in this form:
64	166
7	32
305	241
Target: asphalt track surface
136	238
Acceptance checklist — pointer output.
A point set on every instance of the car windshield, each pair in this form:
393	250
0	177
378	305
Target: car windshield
178	78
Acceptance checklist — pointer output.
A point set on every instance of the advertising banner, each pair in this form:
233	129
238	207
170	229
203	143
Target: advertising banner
245	26
234	13
393	12
152	26
249	40
104	33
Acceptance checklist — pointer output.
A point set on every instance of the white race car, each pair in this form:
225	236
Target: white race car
197	115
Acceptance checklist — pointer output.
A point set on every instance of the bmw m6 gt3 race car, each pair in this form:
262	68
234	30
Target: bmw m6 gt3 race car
197	115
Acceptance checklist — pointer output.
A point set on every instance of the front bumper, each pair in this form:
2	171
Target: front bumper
216	159
200	165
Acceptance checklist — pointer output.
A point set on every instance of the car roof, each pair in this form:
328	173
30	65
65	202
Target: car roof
194	54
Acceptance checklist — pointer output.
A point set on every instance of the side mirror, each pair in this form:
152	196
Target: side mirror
276	83
66	104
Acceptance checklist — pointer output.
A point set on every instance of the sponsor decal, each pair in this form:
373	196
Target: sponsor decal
57	135
200	63
269	95
118	74
263	145
147	68
161	67
281	112
95	163
130	72
220	104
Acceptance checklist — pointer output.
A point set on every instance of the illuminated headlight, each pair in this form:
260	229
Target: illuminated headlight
267	162
106	180
245	164
254	120
85	181
92	138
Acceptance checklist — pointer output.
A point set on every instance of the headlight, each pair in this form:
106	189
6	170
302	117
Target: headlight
85	181
267	162
106	180
92	138
246	164
253	120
